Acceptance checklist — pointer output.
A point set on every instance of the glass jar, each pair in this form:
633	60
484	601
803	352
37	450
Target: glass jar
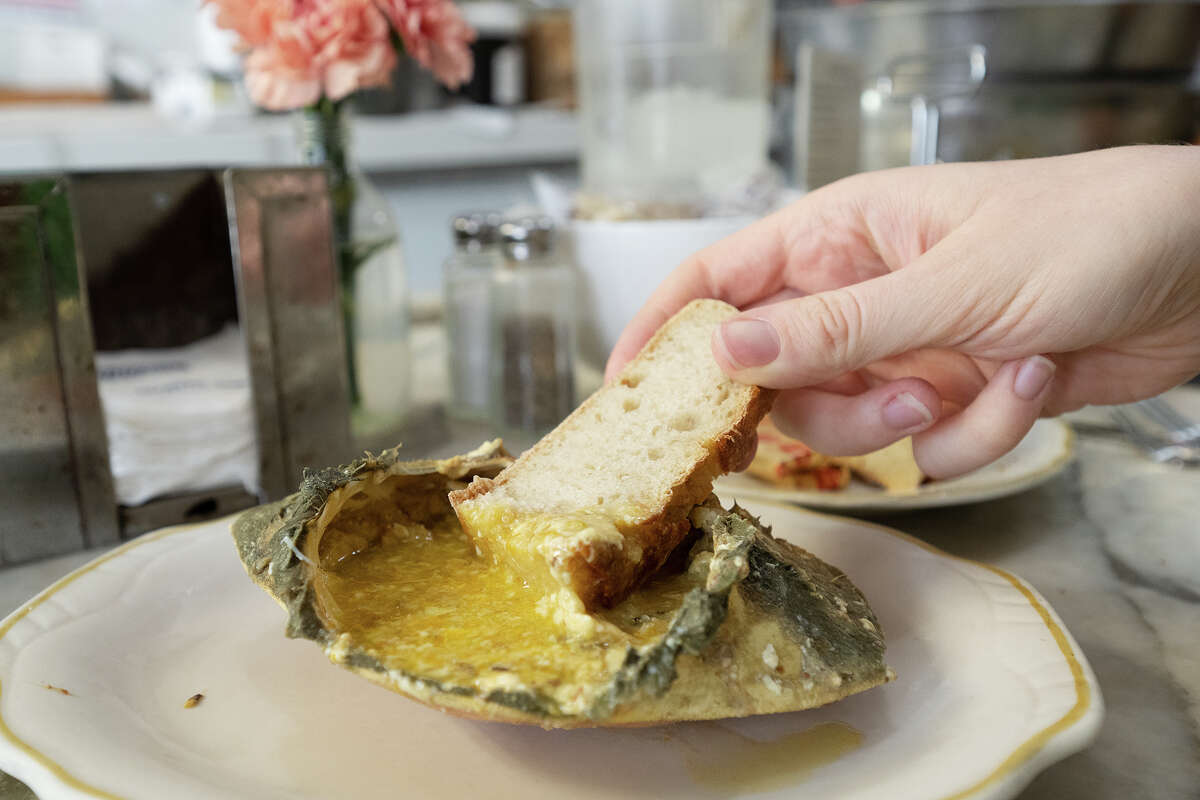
468	276
674	112
371	270
532	326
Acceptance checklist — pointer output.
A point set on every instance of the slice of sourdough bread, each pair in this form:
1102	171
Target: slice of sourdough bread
597	505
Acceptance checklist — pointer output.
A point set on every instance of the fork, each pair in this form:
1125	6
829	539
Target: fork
1180	429
1162	432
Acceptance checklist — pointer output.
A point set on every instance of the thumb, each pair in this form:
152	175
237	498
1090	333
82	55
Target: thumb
813	339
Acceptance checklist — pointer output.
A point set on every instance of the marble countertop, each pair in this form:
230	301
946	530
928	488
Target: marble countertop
1113	543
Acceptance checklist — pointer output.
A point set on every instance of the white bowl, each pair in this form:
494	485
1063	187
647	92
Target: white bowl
621	263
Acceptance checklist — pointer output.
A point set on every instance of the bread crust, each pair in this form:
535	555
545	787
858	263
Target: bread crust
737	447
604	574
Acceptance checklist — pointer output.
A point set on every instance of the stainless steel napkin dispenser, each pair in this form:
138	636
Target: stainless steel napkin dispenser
149	260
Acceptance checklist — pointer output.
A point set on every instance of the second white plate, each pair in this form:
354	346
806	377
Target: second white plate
1043	453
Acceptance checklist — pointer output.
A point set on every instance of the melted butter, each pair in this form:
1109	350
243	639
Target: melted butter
732	764
418	597
646	614
537	545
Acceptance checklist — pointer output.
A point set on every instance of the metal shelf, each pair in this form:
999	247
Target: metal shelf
134	136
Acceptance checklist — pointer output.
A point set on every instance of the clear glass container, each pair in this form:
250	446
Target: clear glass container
532	324
673	98
371	267
467	279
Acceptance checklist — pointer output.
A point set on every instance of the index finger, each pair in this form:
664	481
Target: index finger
739	269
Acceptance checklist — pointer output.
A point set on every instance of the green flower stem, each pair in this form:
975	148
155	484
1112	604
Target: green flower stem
325	143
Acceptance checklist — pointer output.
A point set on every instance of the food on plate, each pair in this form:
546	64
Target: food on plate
599	503
716	618
370	562
894	467
792	464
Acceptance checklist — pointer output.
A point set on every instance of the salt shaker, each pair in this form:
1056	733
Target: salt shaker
468	277
533	330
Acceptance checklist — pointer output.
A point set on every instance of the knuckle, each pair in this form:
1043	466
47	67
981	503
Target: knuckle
834	323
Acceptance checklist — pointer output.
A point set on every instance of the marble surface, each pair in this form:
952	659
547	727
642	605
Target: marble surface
1113	543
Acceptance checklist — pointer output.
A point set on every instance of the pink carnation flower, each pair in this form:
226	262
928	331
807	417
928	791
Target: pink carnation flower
435	35
303	49
253	21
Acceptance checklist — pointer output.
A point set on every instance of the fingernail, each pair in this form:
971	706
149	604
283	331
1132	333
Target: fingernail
750	342
1033	377
905	411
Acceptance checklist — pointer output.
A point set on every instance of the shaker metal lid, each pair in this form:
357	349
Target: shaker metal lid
476	227
527	237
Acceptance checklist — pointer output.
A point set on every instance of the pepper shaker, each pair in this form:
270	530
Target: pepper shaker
533	330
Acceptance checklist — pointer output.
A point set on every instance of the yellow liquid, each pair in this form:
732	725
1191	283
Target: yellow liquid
735	764
420	600
553	550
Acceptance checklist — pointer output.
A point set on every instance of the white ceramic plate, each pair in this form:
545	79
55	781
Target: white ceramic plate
991	689
1043	453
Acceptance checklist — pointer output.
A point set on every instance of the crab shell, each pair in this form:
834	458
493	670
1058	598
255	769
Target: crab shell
772	629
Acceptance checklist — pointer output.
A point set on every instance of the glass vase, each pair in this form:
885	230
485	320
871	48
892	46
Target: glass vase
371	270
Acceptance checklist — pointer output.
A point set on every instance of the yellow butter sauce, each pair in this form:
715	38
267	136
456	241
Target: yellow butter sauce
731	764
418	597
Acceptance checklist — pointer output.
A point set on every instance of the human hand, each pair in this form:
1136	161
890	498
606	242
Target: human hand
957	303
